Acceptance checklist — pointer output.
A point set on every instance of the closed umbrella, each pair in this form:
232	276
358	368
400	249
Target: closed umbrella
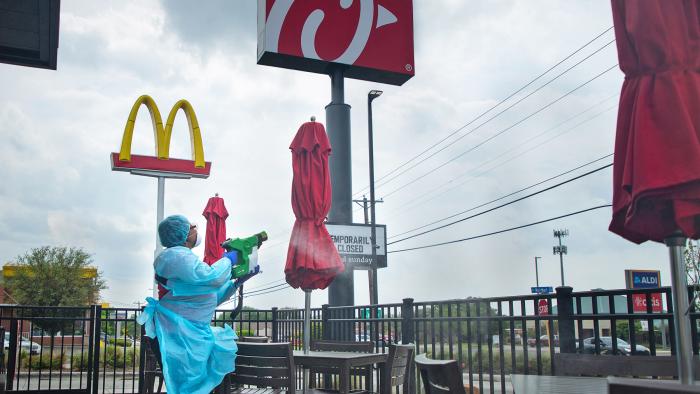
656	180
312	258
215	212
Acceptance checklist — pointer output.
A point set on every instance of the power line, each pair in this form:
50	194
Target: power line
267	292
267	288
488	110
502	197
494	117
503	205
500	132
519	146
500	231
267	284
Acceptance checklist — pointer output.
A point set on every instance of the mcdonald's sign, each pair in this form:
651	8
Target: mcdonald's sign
161	164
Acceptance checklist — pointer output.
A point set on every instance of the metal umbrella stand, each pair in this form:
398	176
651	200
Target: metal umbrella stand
681	308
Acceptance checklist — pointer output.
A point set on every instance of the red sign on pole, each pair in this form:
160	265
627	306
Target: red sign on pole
639	303
372	38
542	308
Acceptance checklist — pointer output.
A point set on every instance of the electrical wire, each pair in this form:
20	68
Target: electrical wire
503	197
494	117
439	193
503	205
500	231
488	110
501	132
267	292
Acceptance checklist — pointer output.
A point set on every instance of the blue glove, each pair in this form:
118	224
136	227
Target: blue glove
233	256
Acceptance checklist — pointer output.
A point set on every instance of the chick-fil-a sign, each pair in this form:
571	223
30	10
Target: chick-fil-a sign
373	38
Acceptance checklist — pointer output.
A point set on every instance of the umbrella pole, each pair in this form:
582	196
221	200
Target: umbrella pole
679	287
307	320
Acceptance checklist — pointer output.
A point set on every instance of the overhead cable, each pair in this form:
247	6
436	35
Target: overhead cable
500	231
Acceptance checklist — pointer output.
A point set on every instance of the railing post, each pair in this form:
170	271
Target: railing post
565	317
407	332
325	327
97	328
275	325
12	356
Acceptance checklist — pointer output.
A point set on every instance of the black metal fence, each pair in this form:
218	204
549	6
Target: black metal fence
98	350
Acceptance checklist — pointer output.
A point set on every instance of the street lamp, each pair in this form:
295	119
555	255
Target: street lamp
561	250
537	274
374	294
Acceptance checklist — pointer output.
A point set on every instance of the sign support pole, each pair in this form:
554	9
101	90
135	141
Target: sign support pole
341	291
160	204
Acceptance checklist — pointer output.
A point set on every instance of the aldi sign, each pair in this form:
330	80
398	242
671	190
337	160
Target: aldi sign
644	279
372	39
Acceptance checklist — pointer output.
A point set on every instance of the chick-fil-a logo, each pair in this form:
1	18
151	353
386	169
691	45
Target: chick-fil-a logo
373	37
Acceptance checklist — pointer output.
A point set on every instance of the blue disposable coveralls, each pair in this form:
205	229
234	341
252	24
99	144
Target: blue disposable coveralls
195	355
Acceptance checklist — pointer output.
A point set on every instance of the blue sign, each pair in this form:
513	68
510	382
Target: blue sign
644	279
542	290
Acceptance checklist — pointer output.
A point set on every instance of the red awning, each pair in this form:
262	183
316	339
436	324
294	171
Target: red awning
215	212
656	181
312	259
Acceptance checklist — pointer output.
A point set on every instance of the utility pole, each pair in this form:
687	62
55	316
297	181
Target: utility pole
365	204
537	274
561	250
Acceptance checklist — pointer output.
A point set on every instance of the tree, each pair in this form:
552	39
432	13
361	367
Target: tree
692	265
55	276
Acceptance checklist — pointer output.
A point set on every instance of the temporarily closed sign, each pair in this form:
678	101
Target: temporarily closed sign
354	243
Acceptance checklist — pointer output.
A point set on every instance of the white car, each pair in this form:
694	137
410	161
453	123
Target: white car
25	345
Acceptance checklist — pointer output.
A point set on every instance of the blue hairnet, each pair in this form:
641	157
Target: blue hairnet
173	230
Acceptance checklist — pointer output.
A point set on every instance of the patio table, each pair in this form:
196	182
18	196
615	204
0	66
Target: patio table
344	361
540	384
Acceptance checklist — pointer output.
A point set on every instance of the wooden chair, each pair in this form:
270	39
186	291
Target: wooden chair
267	367
152	366
254	339
648	386
573	364
440	376
398	368
340	346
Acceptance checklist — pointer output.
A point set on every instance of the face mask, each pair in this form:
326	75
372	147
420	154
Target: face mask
198	241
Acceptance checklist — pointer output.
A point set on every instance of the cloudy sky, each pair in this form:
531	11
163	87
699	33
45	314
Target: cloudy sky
58	128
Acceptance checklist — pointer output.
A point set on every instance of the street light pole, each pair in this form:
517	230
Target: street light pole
537	274
561	250
374	296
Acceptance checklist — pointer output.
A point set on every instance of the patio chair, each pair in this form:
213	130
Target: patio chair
266	367
648	386
440	376
341	346
254	339
152	366
398	368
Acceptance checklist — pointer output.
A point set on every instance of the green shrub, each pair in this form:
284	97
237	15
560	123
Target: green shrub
79	361
114	356
42	361
122	342
246	333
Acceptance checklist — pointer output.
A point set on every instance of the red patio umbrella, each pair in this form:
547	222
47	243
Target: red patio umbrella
656	179
215	212
312	258
656	186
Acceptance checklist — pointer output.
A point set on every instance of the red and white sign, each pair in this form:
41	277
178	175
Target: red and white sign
542	308
374	38
639	303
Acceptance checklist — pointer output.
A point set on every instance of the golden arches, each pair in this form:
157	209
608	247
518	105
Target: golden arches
163	134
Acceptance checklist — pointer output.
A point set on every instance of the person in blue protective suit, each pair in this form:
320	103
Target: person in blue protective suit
195	356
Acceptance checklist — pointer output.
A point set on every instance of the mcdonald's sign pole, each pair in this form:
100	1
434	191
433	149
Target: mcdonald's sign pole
161	166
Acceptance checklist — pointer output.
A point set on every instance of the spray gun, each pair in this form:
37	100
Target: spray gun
247	262
247	251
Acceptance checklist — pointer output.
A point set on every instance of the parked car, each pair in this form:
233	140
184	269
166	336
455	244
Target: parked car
25	346
544	341
605	343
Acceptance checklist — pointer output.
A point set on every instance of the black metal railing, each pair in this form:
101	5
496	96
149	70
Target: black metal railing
98	350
